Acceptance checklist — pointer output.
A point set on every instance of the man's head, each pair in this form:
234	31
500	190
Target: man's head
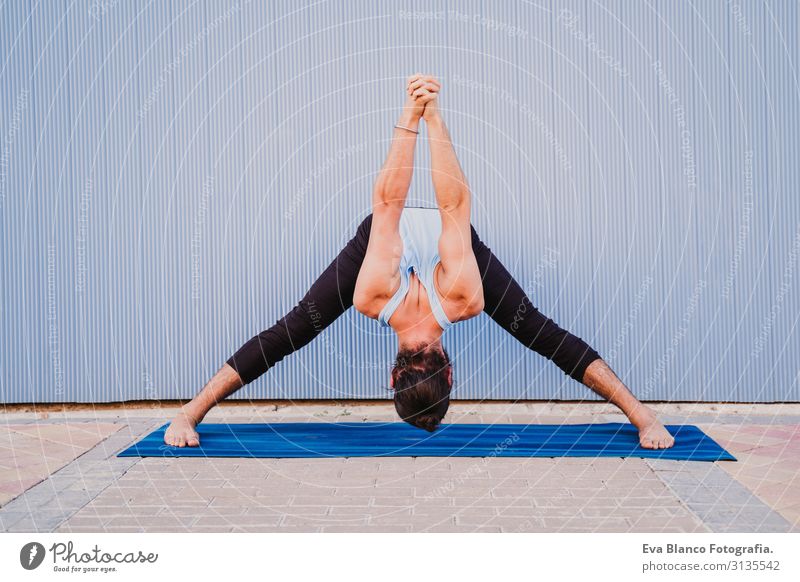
422	378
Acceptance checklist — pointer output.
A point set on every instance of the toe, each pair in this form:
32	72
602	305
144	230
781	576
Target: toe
193	442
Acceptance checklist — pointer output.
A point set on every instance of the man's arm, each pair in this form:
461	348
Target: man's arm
394	178
459	279
380	275
449	182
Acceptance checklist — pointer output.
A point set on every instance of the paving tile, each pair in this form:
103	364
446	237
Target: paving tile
587	523
238	521
413	501
473	510
532	511
418	522
362	492
514	523
327	520
85	521
30	525
105	512
290	510
344	511
149	523
365	529
610	503
331	501
9	518
269	500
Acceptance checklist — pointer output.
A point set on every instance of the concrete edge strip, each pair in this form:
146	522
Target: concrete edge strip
718	500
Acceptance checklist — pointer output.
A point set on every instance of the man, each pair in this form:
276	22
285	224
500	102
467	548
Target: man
499	294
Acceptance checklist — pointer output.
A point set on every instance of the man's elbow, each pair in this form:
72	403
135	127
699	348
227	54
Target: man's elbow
388	194
474	307
455	202
477	307
364	303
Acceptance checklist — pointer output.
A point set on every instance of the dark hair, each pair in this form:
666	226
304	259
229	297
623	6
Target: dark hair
422	386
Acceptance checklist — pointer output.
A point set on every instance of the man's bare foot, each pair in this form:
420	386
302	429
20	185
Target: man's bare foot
652	434
182	433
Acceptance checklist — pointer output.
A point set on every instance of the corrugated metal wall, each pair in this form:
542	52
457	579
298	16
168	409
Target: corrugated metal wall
174	175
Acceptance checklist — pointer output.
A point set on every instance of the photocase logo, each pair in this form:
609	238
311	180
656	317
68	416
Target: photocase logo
31	555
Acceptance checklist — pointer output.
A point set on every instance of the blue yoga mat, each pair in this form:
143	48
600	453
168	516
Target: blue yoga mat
373	439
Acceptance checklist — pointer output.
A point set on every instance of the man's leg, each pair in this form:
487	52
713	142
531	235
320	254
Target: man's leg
329	297
510	307
602	379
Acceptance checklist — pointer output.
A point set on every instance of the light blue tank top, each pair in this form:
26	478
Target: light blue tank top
420	229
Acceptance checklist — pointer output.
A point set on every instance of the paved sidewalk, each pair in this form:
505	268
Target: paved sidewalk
90	489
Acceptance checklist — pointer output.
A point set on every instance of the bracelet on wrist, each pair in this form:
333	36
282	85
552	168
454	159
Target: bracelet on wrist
398	126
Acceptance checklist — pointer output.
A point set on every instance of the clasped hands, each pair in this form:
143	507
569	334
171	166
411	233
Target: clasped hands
422	101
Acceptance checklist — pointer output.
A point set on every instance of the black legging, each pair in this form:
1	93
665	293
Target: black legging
332	294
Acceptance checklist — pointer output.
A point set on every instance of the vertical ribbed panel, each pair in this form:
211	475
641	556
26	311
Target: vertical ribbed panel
173	177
